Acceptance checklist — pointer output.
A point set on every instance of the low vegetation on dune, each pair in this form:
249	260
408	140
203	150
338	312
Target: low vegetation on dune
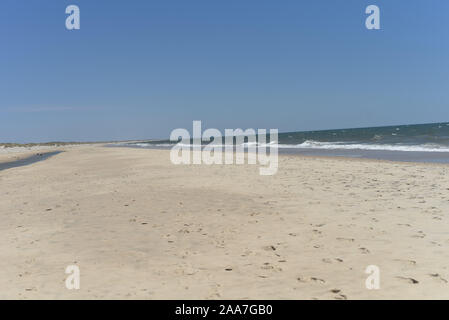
28	145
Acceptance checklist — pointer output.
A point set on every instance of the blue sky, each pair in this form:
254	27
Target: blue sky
138	69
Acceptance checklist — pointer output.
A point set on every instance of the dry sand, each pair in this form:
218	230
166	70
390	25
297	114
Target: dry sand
140	227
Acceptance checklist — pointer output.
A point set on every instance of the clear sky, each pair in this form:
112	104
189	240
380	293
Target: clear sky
138	69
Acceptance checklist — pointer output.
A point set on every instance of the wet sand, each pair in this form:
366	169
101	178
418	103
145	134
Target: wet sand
27	160
139	227
402	156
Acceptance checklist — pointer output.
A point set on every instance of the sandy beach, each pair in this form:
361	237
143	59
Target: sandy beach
140	227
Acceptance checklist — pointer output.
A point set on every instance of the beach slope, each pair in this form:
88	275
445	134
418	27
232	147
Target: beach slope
140	227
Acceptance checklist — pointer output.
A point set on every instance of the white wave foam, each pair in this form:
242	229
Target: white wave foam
357	146
148	145
310	144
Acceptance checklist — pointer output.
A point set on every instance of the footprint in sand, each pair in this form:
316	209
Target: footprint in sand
311	279
346	239
317	280
435	243
267	266
438	277
404	224
420	235
409	262
409	280
364	250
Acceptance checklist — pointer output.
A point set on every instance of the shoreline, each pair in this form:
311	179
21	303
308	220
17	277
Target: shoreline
23	154
310	156
10	154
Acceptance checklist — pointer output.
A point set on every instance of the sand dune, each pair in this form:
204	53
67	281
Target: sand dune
139	227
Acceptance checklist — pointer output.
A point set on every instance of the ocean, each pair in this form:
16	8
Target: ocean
416	143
